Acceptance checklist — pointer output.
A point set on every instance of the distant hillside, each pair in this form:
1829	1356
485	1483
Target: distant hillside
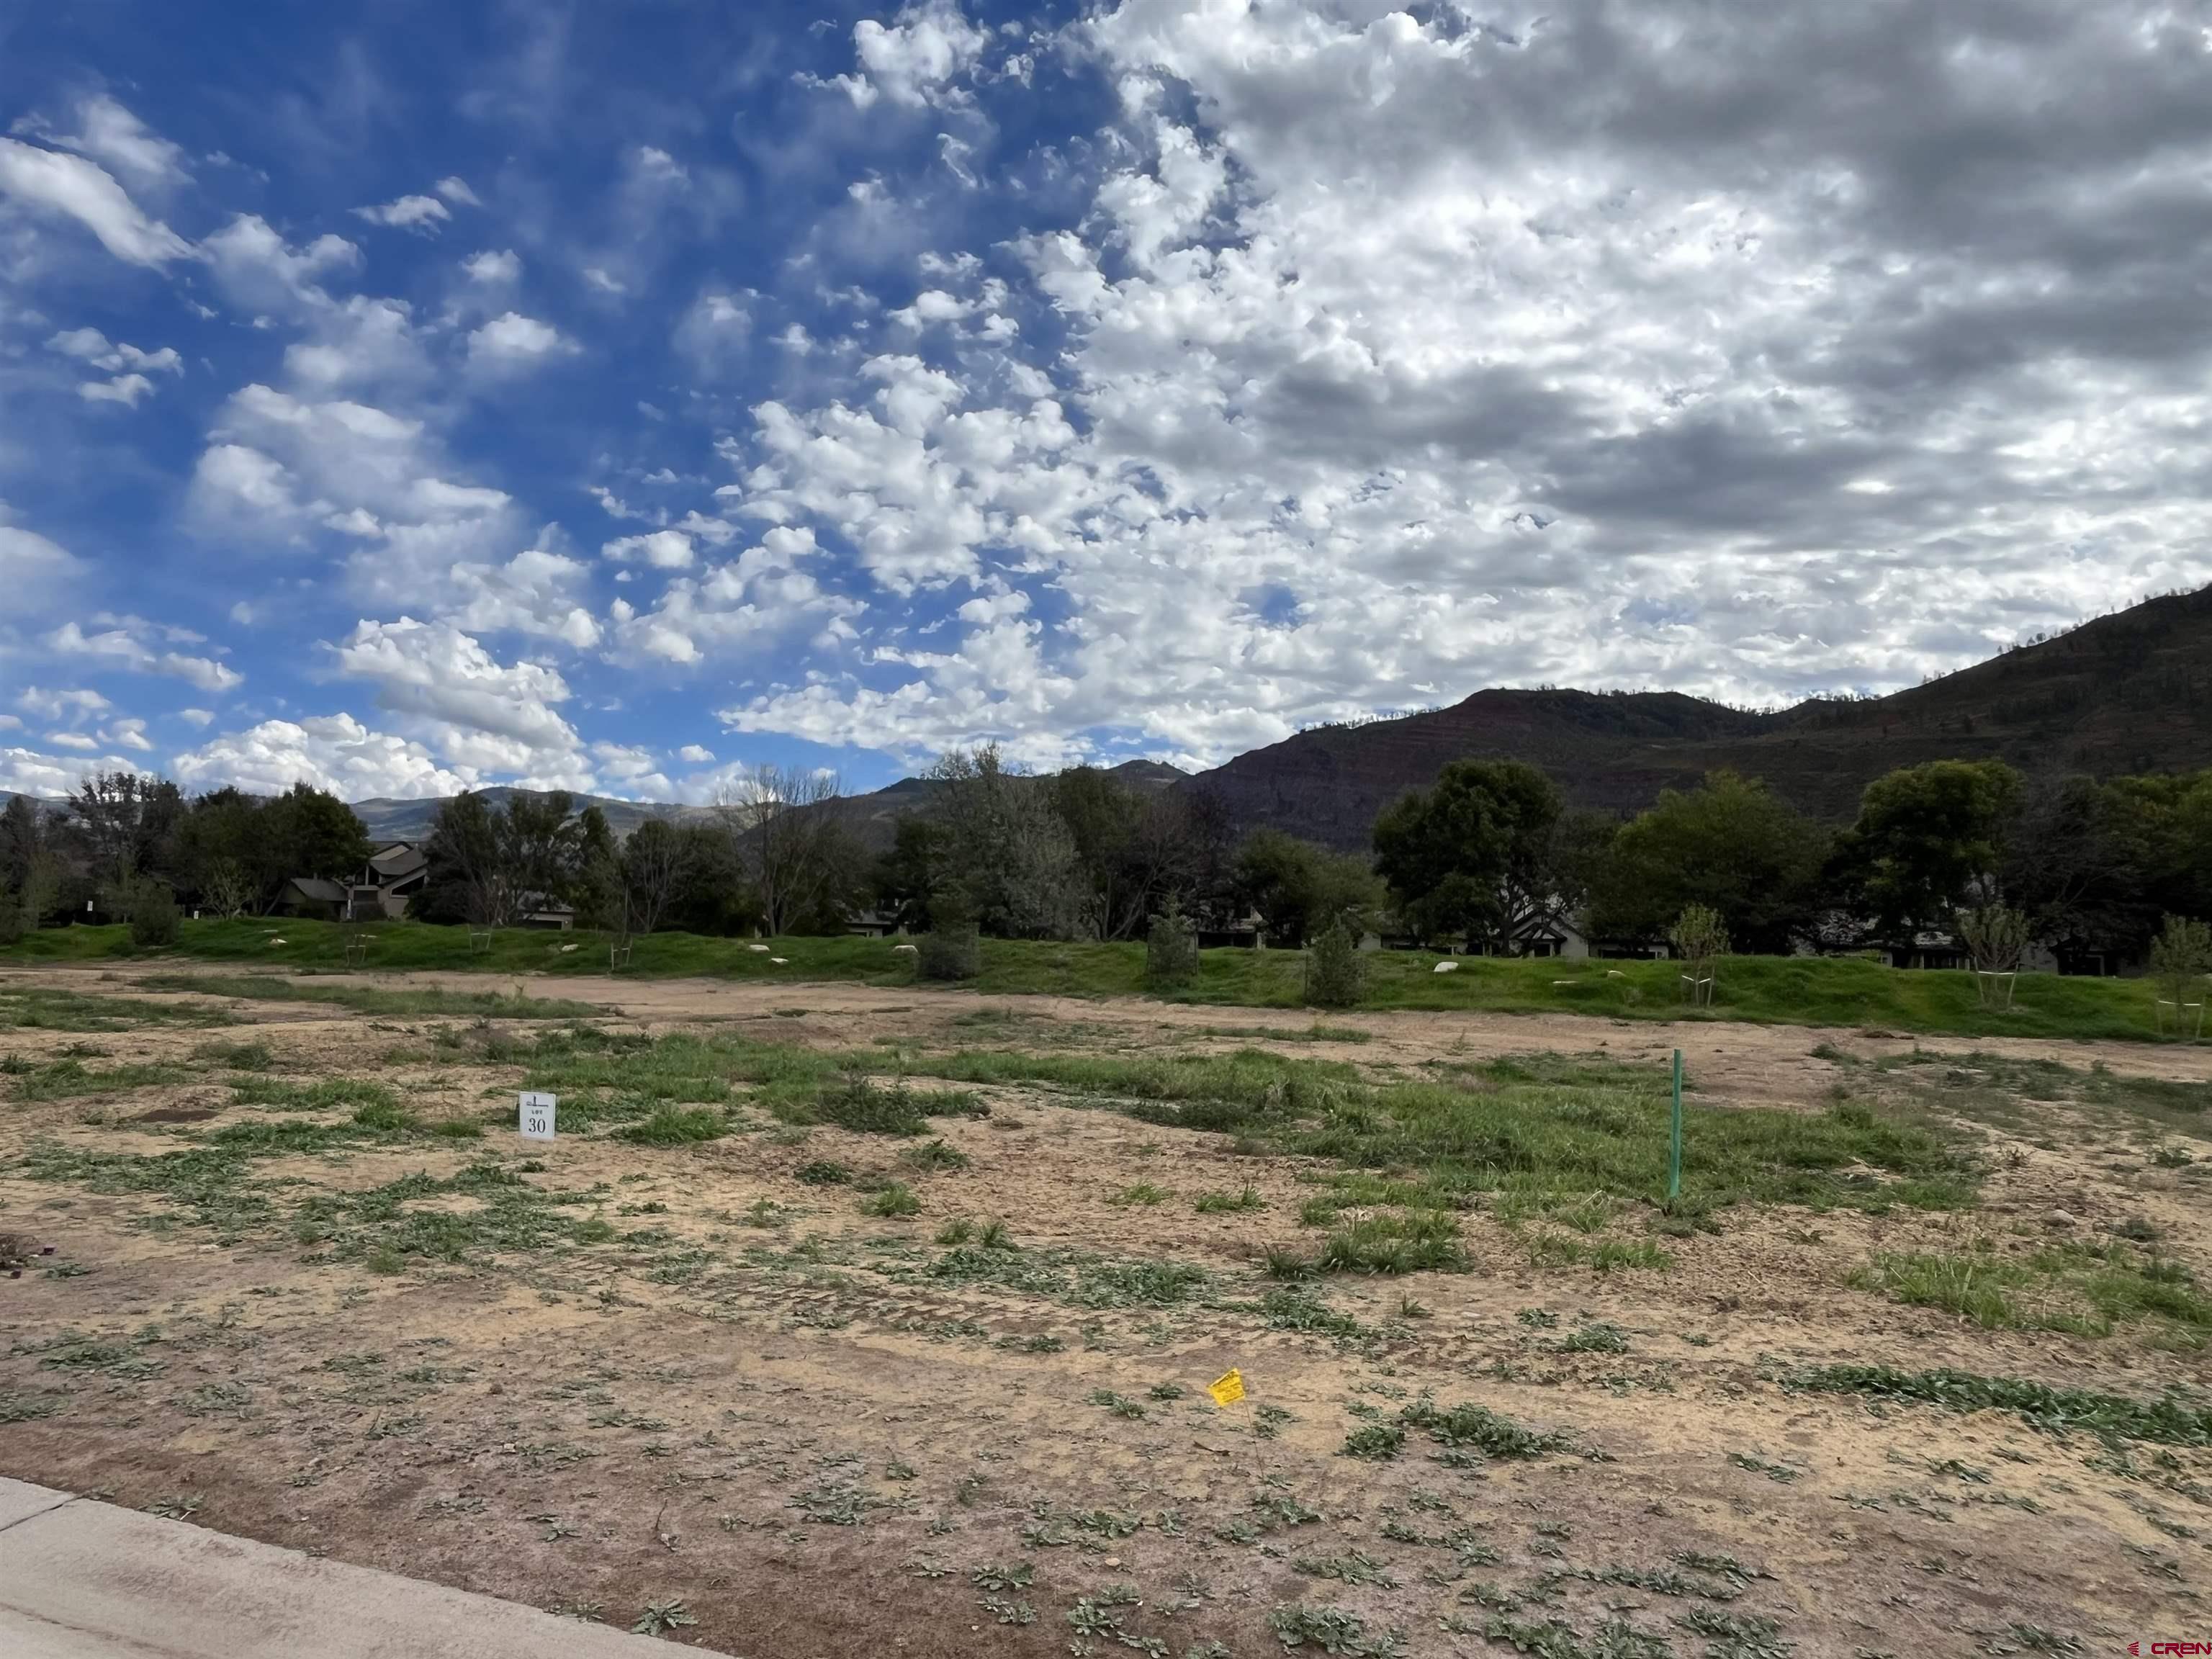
410	820
873	817
2130	692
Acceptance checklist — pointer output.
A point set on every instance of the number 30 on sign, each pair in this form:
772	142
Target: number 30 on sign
537	1116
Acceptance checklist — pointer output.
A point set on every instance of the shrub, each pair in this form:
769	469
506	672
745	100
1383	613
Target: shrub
2180	956
951	952
1336	975
1170	952
15	921
1700	938
673	1125
858	1104
153	918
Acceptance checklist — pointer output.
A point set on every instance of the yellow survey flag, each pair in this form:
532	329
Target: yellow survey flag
1228	1389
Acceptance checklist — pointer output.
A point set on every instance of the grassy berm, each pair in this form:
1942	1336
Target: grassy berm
1795	990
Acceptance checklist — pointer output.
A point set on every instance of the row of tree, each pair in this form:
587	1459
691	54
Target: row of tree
2092	867
125	839
1488	850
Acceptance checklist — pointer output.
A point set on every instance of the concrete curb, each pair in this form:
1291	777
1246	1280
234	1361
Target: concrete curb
83	1580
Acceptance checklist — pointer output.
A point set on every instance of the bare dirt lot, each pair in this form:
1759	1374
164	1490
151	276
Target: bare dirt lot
307	1285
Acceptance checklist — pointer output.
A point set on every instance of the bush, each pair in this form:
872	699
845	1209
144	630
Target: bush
1700	940
1170	952
153	918
1336	975
953	952
15	921
2179	956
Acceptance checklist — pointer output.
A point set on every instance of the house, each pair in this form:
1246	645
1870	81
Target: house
874	924
378	891
1549	936
395	873
312	896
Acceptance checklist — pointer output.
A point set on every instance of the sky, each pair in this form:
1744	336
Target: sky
408	398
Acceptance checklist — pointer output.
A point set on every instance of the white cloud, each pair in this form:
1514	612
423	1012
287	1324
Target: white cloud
73	740
692	754
493	268
34	572
423	213
125	645
74	705
663	550
261	271
30	772
71	186
758	600
108	132
127	734
125	389
514	341
334	752
537	592
914	60
200	717
457	190
477	712
606	283
90	345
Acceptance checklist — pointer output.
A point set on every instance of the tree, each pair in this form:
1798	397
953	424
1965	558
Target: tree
1700	938
783	821
1929	839
468	880
1103	817
1471	856
650	869
1301	890
1011	853
914	867
310	832
125	824
1728	845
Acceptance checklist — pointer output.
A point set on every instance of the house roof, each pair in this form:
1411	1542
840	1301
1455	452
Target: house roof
316	888
397	861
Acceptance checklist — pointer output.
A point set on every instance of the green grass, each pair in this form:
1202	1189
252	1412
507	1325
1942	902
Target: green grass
1811	991
46	1008
2076	1289
311	1096
676	1125
412	1003
66	1079
2167	1421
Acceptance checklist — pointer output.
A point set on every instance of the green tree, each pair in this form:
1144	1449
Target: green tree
1472	856
310	832
1011	851
1728	846
1930	840
914	867
1301	891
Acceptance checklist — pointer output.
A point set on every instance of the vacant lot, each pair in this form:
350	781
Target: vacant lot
846	1320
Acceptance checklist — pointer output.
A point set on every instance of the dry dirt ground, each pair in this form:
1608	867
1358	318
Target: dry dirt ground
741	1395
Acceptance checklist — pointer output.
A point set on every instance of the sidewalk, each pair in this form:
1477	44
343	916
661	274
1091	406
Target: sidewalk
81	1580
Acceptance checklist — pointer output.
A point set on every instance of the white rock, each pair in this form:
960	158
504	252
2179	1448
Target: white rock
761	949
1446	967
780	962
911	950
2057	1219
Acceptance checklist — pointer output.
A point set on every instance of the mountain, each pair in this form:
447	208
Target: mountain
2129	692
410	820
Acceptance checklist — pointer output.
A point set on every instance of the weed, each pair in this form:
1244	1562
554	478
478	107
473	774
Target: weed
676	1125
823	1172
1542	1319
936	1155
182	1506
1288	1265
2167	1421
1334	1631
1119	1406
1355	1568
1245	1198
1166	1391
661	1617
1471	1428
1288	1309
1009	1612
896	1198
1423	1241
1735	1635
1779	1472
1142	1192
958	1231
1376	1442
1595	1339
995	1577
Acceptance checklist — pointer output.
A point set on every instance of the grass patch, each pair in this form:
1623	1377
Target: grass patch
1468	1428
895	1198
677	1126
2169	1421
2070	1288
1245	1199
320	1096
45	1008
411	1003
388	1225
67	1079
1427	1241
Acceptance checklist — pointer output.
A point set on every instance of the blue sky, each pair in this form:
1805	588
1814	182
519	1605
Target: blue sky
614	397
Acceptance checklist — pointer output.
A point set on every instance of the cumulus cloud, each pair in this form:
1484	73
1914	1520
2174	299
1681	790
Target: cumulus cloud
333	752
664	550
263	272
55	182
1397	357
493	269
915	60
34	572
35	772
125	642
109	133
478	713
511	340
423	213
457	190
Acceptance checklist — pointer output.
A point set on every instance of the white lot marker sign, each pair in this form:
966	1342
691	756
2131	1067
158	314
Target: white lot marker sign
537	1116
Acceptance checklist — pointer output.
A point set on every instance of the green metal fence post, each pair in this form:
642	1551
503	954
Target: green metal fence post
1674	1149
